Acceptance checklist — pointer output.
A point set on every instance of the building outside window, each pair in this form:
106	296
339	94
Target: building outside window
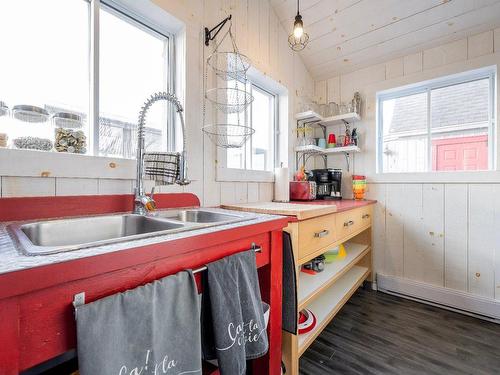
51	69
443	125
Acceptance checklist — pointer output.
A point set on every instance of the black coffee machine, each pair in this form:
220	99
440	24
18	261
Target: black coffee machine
328	183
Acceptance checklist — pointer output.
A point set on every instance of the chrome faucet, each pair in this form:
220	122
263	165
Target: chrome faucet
142	202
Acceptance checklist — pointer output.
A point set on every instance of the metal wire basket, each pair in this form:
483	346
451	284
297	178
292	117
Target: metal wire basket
228	135
67	120
30	113
229	100
229	65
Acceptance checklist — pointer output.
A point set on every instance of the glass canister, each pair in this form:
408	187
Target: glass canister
358	187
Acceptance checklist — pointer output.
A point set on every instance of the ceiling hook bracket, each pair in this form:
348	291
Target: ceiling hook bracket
215	30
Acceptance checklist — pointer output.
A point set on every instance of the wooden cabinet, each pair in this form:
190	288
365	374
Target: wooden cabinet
326	292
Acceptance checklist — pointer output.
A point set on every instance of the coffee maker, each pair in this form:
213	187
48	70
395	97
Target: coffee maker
328	183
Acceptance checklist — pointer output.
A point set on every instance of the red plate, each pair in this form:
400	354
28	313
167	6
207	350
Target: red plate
307	321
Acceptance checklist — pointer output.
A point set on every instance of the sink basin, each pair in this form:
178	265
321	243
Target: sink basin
201	216
55	236
46	237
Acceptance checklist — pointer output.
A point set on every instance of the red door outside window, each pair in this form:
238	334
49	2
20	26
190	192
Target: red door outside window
459	154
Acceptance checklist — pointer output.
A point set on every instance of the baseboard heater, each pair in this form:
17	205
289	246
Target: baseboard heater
456	300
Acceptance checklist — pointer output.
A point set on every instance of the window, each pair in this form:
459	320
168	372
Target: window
258	153
442	125
50	61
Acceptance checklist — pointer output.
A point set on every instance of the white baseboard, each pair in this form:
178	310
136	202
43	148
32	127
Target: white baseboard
438	295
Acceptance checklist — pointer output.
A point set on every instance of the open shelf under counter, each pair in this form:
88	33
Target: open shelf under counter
326	306
312	286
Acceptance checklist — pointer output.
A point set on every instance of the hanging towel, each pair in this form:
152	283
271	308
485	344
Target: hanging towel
162	167
233	323
153	329
290	310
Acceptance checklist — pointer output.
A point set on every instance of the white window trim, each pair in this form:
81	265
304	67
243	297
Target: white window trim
489	72
224	174
32	163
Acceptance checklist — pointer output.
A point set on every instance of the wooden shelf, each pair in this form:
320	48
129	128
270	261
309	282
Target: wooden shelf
339	119
312	286
311	149
331	301
311	116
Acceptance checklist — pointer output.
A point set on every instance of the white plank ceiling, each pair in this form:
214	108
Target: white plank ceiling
346	35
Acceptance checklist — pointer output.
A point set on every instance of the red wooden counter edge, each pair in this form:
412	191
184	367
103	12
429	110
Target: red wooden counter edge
30	208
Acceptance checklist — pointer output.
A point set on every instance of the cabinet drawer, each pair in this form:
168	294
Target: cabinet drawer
352	221
315	234
366	215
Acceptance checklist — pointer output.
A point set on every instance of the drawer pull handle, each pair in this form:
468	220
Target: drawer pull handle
323	233
348	223
366	216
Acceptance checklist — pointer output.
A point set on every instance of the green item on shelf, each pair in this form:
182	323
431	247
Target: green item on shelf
334	254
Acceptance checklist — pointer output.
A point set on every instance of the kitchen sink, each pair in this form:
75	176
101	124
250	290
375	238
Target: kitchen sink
201	216
55	236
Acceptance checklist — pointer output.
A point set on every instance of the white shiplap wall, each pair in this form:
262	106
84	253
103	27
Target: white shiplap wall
259	35
441	230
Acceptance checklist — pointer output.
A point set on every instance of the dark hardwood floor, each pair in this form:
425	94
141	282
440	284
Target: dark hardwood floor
376	333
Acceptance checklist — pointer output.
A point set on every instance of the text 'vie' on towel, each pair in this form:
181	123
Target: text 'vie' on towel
153	329
233	324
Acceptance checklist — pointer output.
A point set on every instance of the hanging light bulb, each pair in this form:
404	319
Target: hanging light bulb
298	39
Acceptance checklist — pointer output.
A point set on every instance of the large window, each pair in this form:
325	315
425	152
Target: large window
258	153
441	125
48	60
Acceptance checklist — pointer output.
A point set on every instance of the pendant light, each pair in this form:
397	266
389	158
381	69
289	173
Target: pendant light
298	38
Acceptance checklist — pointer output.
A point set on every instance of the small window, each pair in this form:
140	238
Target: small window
258	153
442	125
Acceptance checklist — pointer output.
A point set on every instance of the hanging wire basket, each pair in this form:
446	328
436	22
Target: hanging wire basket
229	65
228	135
30	113
229	100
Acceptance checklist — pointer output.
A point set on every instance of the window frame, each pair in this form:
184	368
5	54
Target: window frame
427	87
128	15
252	175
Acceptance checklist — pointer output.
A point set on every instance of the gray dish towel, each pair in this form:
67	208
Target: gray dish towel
154	329
233	323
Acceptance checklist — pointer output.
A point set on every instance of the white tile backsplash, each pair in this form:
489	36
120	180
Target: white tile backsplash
77	186
28	186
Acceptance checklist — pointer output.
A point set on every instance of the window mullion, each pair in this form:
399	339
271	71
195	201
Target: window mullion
429	137
94	76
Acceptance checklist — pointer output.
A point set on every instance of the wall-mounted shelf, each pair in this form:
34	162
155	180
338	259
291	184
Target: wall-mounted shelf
311	149
313	117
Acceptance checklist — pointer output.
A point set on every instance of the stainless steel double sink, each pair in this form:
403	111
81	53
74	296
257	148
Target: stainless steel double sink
54	236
